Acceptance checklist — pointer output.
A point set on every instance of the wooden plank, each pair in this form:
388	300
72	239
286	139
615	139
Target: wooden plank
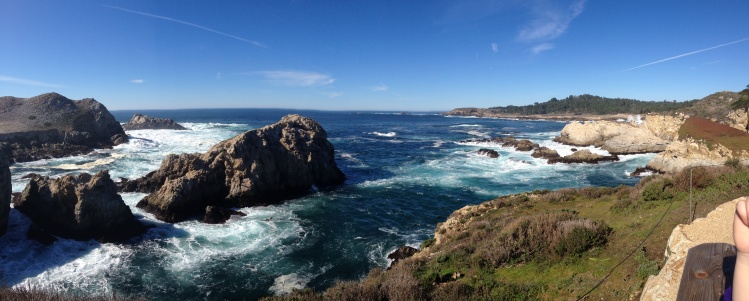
707	271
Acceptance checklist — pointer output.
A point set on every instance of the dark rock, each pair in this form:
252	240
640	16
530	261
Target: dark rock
641	170
52	126
573	149
545	153
31	176
6	189
519	145
39	235
488	152
219	215
400	254
584	156
140	122
80	207
259	167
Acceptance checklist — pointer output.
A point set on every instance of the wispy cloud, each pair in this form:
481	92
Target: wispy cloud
495	48
333	94
686	54
379	88
137	81
187	23
296	78
542	47
549	21
27	82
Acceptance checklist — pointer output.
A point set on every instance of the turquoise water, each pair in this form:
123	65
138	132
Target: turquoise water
406	173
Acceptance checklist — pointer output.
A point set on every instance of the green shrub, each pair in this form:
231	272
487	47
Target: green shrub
428	243
583	236
657	190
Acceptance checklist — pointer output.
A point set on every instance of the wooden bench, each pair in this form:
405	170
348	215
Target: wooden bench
708	270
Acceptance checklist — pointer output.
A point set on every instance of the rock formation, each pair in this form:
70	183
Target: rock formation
140	122
52	126
683	154
653	135
79	207
400	254
5	193
259	167
545	153
714	228
488	152
583	156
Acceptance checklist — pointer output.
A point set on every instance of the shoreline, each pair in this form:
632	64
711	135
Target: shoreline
484	113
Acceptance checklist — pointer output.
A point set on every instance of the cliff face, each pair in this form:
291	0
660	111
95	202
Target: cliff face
259	167
79	207
50	125
683	154
653	135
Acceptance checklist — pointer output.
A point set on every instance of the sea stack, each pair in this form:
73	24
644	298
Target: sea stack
52	126
5	191
259	167
79	207
141	122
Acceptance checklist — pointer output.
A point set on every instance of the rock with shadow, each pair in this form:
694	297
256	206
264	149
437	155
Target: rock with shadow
141	122
584	156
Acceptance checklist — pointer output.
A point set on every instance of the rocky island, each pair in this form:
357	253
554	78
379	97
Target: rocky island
259	167
141	122
52	126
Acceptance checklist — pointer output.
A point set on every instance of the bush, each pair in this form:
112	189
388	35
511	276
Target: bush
428	243
657	190
583	236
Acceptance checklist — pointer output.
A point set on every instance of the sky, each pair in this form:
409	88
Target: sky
370	55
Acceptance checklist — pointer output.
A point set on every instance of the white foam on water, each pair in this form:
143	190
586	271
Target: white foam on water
388	134
465	125
284	284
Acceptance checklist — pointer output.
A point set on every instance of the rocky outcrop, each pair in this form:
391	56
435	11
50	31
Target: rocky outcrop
584	156
400	254
219	215
259	167
523	145
691	153
653	135
5	193
714	228
80	207
52	126
141	122
545	153
738	119
488	152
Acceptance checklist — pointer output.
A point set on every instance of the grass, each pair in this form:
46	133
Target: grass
33	294
549	245
700	128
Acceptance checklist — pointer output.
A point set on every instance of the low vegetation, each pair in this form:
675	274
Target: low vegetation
699	128
33	294
549	245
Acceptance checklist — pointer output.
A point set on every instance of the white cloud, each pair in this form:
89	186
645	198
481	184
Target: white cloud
296	78
137	81
379	88
333	94
542	47
27	82
495	48
549	22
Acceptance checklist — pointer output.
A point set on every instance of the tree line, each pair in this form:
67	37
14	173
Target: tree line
592	104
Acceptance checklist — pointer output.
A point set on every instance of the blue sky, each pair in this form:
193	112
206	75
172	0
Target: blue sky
370	55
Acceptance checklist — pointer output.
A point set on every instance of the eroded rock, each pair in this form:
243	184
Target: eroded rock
400	254
584	156
141	122
488	152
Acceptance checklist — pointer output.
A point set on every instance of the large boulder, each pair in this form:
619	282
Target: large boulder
141	122
259	167
51	126
488	152
690	153
545	153
5	193
80	207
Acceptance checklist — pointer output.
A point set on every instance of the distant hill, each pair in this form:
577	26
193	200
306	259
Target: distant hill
595	105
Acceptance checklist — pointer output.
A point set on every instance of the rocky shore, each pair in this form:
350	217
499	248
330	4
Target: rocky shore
52	126
5	192
141	122
259	167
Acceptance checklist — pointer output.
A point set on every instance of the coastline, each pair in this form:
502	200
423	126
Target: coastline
486	113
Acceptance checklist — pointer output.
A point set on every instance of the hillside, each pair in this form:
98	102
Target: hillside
549	245
585	104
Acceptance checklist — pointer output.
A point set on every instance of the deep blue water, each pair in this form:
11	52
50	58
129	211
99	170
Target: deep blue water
406	173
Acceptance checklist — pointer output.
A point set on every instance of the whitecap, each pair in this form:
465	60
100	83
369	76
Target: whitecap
388	134
284	284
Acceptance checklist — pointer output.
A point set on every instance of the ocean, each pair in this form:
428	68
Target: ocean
405	173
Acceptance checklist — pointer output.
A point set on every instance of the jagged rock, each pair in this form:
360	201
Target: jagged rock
714	228
488	152
519	145
400	254
79	207
545	153
219	215
52	126
5	193
641	170
141	122
259	167
584	156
